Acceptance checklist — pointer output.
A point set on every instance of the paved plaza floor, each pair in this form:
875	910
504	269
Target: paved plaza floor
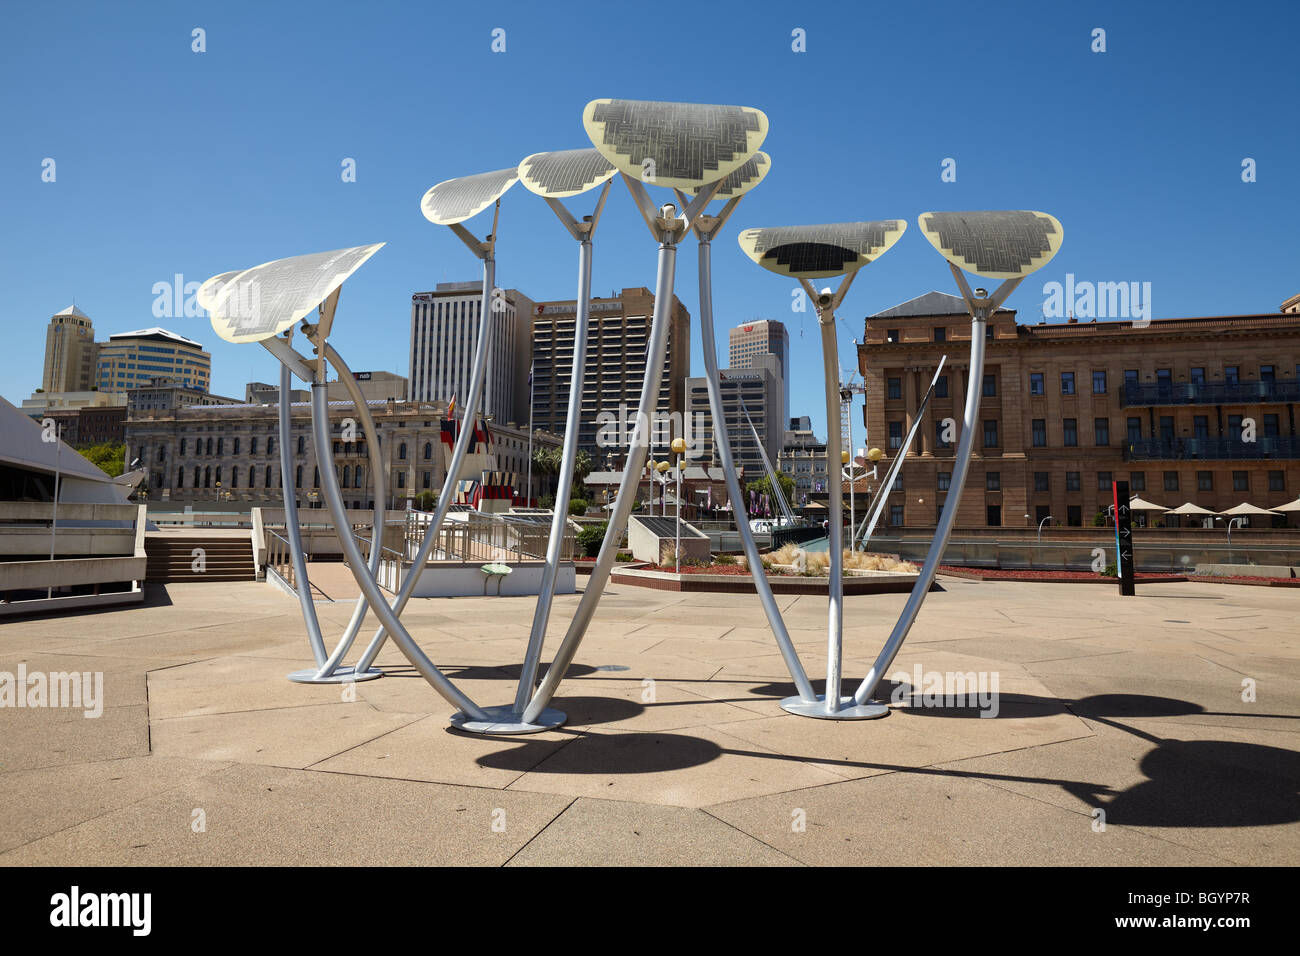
1158	729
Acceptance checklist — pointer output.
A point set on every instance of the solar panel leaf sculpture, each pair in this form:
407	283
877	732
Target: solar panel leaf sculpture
1006	245
555	176
807	253
262	304
682	146
451	203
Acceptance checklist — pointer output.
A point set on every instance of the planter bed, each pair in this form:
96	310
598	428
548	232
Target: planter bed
735	579
1055	577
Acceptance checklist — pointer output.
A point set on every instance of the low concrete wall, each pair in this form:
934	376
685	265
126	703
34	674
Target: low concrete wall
1254	570
466	580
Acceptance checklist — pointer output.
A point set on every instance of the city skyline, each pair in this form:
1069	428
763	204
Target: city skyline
179	186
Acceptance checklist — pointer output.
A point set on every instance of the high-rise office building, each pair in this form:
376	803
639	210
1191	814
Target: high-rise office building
444	334
70	352
755	390
616	345
764	337
134	359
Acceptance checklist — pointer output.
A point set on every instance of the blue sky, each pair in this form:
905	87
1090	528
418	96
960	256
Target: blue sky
170	161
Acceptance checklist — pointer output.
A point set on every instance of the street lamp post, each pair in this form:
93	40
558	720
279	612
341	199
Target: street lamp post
679	449
1040	528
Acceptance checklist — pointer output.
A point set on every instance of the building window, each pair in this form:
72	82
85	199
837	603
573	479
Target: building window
1166	428
315	477
945	479
1266	373
1200	426
941	387
1135	429
401	479
221	446
268	472
1099	383
896	515
993	481
302	444
401	451
1198	376
892	336
207	475
894	388
1241	481
1205	481
1103	481
1234	427
1070	427
234	477
209	450
1137	481
1270	426
940	429
1042	481
297	478
252	445
1276	481
182	447
1074	516
990	385
180	477
993	516
940	334
895	435
1039	428
1067	383
1171	481
428	452
990	433
1230	374
1071	481
425	478
198	476
1101	431
270	447
252	476
1035	383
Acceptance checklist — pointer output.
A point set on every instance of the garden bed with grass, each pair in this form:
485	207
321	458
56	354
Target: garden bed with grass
786	572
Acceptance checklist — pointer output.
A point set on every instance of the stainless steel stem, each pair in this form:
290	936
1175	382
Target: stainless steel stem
568	464
722	441
463	439
974	387
835	531
301	583
654	363
381	493
386	614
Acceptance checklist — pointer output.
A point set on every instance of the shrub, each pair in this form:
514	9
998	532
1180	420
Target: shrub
590	539
622	556
1110	571
546	501
724	559
425	501
578	506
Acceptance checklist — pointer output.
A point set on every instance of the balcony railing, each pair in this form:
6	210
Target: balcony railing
1278	391
1199	449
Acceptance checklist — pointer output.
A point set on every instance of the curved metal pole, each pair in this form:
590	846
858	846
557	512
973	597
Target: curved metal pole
386	614
878	505
302	584
974	388
723	443
835	531
476	379
632	468
377	521
568	464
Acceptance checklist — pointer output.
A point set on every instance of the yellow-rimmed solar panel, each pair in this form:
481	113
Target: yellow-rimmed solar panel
820	252
1001	244
564	173
456	200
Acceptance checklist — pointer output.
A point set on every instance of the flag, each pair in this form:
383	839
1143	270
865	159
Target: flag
451	407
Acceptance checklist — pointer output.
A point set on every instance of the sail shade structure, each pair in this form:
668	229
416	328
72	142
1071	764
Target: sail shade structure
455	200
261	302
565	173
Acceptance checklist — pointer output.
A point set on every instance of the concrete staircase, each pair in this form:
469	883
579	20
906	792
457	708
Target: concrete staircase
172	558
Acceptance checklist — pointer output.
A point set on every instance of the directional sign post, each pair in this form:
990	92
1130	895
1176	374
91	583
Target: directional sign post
1123	539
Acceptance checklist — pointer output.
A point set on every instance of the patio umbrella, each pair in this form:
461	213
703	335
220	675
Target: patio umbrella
1289	506
1246	508
1187	508
1137	504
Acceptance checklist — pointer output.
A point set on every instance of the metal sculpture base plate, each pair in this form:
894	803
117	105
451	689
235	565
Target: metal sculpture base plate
344	674
507	720
849	709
